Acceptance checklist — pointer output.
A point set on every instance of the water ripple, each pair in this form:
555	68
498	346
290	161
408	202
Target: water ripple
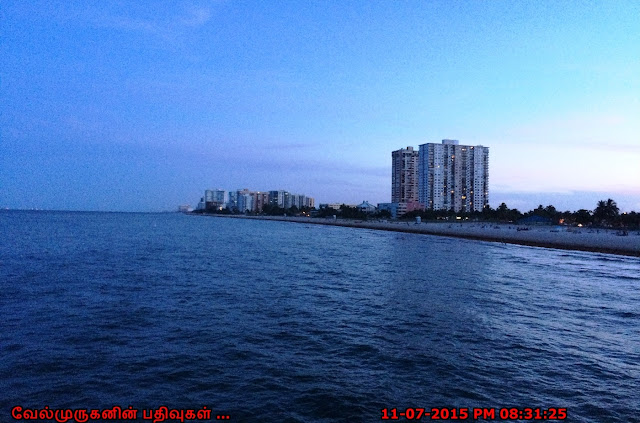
269	321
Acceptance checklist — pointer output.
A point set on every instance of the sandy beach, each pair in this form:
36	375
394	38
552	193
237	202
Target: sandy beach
567	238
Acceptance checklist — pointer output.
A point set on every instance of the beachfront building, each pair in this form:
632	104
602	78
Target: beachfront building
404	181
260	199
286	200
453	176
392	208
309	202
280	199
297	200
252	201
399	209
232	203
404	175
214	199
245	200
335	206
302	201
366	207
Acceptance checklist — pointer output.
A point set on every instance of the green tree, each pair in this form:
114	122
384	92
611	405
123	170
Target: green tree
582	217
382	214
539	211
502	212
550	211
271	210
606	212
351	212
630	220
327	212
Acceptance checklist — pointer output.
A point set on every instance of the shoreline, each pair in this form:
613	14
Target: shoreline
563	238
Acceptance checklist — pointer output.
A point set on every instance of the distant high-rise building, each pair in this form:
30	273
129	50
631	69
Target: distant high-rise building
299	200
277	198
309	202
260	199
404	175
214	198
245	200
453	177
232	204
282	199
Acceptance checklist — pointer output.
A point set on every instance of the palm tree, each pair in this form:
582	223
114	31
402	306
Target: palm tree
606	212
612	207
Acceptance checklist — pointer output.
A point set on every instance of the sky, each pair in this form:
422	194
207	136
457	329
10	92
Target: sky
141	106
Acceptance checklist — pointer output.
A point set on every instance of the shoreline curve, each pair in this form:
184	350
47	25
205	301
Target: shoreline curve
578	239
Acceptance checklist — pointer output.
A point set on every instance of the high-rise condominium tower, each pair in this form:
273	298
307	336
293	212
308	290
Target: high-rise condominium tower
453	176
404	175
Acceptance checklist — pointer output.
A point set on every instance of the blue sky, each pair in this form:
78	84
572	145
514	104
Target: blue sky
141	106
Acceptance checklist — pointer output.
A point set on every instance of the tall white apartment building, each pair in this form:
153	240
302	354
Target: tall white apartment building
298	200
309	202
404	175
232	203
245	200
453	176
278	198
214	198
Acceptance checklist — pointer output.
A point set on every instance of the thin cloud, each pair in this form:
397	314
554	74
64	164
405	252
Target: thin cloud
197	17
167	28
131	24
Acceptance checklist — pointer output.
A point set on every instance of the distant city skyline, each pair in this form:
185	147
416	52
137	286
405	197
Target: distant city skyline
125	107
246	200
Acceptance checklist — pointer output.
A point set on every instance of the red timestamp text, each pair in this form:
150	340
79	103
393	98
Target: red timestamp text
418	413
445	413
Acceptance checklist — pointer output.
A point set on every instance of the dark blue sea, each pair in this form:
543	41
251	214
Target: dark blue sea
281	322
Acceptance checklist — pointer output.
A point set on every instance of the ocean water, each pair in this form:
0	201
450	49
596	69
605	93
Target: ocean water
280	322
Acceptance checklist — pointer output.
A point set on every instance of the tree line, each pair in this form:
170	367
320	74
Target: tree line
349	212
605	214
